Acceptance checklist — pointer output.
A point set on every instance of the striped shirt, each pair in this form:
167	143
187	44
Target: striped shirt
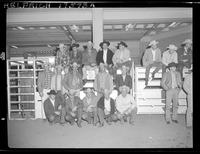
47	82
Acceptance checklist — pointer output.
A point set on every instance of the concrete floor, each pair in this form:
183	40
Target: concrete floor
149	131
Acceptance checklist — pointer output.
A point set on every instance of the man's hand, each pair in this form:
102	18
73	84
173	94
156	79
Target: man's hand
59	107
57	112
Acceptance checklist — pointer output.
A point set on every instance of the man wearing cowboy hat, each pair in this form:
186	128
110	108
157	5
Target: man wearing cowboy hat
172	83
89	59
104	55
62	55
73	109
103	80
185	56
90	106
152	58
125	105
56	82
122	55
73	79
106	108
123	79
44	85
53	108
75	55
169	56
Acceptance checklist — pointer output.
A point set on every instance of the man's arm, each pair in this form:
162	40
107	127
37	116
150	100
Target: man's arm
163	84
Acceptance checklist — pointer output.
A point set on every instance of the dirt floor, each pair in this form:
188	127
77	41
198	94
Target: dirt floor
149	131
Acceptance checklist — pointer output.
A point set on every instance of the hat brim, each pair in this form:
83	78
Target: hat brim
122	43
101	44
124	87
52	93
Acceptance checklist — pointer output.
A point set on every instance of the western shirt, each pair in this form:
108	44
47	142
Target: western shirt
154	54
107	104
169	57
105	56
174	82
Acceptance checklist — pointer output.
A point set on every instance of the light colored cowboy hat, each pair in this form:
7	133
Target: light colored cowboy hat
172	47
187	41
61	45
154	42
124	87
89	43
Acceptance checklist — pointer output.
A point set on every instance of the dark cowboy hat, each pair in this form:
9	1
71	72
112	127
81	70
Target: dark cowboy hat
53	92
75	45
107	42
172	65
122	43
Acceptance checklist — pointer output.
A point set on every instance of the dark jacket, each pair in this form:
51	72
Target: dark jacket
101	105
77	102
120	82
166	81
99	57
187	57
49	109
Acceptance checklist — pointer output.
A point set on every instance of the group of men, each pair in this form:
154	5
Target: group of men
64	104
172	62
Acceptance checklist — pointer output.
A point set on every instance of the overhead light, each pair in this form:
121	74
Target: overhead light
165	29
107	26
86	27
64	28
31	28
129	26
14	28
172	24
74	28
52	27
184	24
49	46
161	26
139	26
13	46
42	27
118	26
21	28
149	25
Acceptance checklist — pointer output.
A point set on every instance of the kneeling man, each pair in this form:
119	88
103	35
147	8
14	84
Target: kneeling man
53	108
126	106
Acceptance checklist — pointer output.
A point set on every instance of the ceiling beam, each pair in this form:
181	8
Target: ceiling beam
67	33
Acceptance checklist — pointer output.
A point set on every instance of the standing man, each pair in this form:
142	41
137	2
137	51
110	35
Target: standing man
105	55
185	56
44	85
126	106
172	83
169	56
187	86
102	81
152	58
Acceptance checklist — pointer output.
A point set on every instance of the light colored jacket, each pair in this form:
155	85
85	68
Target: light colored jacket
41	81
147	59
125	56
166	81
169	58
187	84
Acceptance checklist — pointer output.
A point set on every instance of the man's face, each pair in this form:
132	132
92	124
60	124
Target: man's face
107	94
171	51
173	68
89	46
105	46
89	92
52	96
59	70
124	92
154	46
121	47
74	49
188	45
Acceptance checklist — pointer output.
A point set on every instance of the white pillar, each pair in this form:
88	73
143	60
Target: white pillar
97	23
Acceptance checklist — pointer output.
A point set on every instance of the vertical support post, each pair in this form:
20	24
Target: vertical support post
8	87
97	24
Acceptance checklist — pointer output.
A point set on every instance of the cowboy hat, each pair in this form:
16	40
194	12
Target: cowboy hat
154	42
61	45
172	47
172	65
52	92
124	87
89	43
187	41
101	44
122	43
75	45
